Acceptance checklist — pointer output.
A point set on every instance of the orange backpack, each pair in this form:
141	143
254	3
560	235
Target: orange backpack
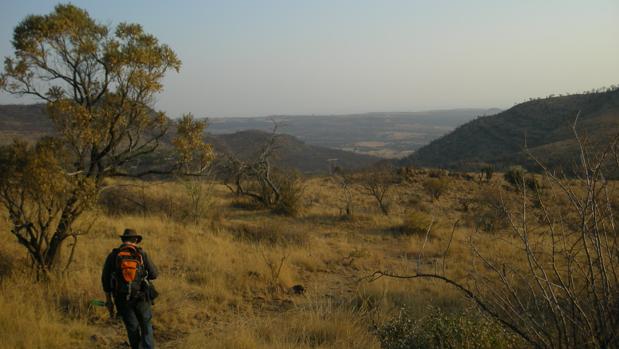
129	270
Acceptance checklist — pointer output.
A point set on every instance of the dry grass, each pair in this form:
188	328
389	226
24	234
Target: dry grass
218	287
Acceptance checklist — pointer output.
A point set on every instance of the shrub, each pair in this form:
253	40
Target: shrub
190	201
532	183
487	172
436	187
414	199
515	176
441	330
136	199
486	210
489	220
437	173
416	223
291	191
464	204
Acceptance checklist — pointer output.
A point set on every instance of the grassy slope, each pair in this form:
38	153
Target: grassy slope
217	290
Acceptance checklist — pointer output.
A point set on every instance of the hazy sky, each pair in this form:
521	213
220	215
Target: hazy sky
245	58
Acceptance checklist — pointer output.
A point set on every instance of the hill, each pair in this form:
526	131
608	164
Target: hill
30	122
23	121
290	152
384	134
545	124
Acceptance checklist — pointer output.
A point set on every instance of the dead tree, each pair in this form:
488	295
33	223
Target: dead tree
255	178
377	183
345	182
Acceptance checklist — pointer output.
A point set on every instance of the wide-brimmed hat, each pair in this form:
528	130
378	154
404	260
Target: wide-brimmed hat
130	233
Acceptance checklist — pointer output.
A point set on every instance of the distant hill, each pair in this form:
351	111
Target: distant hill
544	123
384	134
23	121
289	152
30	122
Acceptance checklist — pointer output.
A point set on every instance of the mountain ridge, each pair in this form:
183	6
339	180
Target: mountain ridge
544	125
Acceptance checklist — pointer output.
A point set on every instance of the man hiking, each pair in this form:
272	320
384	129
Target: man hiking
125	278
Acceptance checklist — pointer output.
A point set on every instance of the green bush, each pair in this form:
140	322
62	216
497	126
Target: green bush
440	330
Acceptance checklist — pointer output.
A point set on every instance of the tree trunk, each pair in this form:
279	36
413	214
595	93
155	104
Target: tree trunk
383	206
53	250
62	232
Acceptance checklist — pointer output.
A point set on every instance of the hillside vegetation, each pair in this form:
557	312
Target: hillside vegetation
544	125
228	267
221	285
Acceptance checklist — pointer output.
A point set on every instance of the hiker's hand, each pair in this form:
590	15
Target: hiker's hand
110	308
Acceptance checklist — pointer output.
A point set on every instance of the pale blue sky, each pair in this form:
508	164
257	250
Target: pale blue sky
245	58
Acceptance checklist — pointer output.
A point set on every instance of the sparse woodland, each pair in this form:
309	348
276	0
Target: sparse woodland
252	256
229	264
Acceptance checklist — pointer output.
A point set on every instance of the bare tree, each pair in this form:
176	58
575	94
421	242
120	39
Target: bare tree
345	182
239	174
259	180
377	183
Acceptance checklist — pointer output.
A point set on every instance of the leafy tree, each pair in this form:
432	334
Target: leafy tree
99	85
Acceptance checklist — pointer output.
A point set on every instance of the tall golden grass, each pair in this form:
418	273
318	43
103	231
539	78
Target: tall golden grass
217	284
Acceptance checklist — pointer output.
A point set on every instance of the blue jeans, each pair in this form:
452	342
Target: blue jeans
137	316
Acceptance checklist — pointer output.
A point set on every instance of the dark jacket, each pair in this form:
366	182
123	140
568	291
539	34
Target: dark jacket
110	267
